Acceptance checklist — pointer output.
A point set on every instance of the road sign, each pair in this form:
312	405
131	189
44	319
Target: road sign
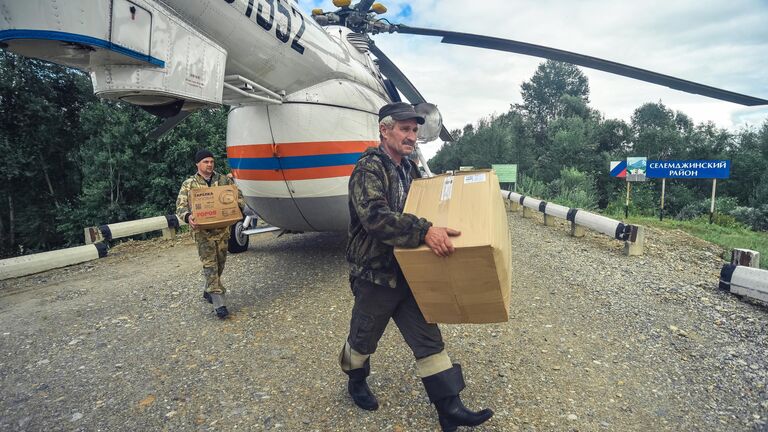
619	169
507	172
703	169
636	169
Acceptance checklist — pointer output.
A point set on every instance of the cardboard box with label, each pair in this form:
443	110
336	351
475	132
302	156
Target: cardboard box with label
473	284
215	207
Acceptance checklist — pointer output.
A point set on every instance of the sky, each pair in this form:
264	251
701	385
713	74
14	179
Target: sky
722	43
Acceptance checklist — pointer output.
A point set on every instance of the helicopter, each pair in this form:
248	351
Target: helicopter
304	89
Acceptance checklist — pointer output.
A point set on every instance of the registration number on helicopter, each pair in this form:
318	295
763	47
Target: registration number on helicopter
267	20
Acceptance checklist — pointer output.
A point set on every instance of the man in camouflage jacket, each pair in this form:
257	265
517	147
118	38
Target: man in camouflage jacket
211	243
378	187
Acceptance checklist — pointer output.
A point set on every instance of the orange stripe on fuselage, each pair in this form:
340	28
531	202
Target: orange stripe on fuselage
298	149
294	174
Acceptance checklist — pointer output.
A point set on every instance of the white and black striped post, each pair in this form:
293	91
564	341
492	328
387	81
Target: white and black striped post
168	224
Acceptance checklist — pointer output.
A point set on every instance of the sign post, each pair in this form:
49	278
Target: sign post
626	203
712	204
663	187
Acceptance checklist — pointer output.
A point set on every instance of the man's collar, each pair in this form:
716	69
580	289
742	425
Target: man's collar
402	158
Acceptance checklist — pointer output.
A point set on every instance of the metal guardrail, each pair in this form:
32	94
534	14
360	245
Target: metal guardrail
36	263
632	235
745	281
168	224
95	246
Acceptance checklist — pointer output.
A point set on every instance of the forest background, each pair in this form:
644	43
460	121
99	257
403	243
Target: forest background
73	161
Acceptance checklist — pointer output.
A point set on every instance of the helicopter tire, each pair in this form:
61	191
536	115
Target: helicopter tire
238	242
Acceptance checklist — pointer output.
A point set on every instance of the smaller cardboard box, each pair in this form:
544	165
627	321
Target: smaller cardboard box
473	284
215	207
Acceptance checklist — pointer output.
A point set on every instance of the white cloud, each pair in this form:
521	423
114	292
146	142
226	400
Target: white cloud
713	42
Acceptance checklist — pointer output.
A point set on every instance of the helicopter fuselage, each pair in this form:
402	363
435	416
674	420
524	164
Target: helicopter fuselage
304	98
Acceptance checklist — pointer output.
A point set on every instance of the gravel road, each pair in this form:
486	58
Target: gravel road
596	342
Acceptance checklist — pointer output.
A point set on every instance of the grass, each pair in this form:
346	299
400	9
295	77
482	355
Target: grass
727	237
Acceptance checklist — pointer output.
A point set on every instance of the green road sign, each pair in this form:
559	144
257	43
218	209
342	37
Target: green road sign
507	173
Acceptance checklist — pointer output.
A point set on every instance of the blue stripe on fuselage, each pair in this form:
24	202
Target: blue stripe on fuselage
78	38
293	162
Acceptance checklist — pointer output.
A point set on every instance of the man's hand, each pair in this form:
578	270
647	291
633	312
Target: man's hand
438	239
191	221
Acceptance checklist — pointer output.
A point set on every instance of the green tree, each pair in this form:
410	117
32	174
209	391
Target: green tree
655	132
553	92
40	107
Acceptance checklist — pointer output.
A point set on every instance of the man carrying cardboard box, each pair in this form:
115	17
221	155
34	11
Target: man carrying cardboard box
211	243
378	187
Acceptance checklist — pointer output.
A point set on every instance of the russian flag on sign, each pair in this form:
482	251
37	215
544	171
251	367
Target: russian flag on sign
619	169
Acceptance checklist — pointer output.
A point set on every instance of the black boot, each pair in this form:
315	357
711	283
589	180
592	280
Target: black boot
359	389
207	297
220	305
443	389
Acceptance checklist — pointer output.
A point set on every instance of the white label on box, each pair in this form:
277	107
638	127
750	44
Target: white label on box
474	178
447	189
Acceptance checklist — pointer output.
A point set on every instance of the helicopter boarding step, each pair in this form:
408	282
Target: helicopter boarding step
261	230
242	91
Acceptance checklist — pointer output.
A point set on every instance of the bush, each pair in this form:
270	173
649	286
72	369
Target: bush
755	218
723	206
693	210
531	187
574	189
577	198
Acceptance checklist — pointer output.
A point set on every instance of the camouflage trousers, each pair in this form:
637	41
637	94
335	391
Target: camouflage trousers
213	254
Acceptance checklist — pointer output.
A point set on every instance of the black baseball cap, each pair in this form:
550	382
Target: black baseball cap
400	111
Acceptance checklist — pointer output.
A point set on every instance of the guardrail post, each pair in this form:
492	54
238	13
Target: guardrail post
549	220
634	246
515	206
745	257
169	233
527	212
576	230
92	235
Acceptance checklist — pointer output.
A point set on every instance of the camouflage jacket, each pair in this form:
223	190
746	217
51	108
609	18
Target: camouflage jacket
375	226
182	202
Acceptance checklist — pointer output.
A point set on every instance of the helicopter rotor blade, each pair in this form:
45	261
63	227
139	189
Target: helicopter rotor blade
403	84
364	6
168	124
513	46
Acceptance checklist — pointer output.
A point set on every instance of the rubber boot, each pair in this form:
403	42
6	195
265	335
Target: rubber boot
443	389
219	305
359	390
207	297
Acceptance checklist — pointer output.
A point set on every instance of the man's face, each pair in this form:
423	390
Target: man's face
205	166
401	138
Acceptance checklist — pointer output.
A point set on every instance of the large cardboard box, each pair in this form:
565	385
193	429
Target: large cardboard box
215	207
473	284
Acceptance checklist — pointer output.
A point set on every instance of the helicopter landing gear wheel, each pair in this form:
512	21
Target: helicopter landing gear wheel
238	241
